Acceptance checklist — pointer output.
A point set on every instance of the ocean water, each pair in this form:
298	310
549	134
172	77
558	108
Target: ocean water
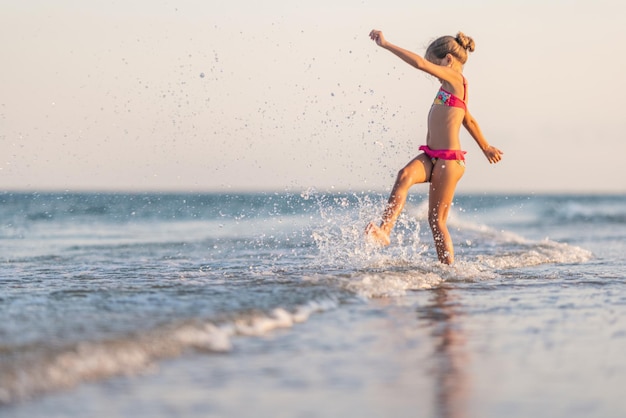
273	305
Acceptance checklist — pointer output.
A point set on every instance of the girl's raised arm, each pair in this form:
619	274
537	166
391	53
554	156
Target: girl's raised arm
411	58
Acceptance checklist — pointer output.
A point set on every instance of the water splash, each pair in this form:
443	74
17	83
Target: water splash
340	237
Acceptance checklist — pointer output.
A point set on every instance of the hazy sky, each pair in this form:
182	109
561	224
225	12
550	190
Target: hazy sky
290	94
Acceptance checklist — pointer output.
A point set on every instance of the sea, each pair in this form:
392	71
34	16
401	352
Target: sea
274	305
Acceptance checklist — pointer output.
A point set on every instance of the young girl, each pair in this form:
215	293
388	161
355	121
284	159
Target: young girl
442	163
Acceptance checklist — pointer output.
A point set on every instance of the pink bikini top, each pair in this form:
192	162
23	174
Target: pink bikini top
446	98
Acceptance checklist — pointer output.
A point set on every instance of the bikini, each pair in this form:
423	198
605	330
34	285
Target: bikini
446	98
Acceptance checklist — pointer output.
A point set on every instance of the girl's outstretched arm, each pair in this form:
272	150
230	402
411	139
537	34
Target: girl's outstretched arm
493	154
407	56
411	58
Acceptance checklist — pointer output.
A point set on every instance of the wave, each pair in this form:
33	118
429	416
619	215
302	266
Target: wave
410	263
32	371
611	211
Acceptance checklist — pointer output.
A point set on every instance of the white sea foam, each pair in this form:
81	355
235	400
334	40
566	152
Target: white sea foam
537	253
508	250
390	284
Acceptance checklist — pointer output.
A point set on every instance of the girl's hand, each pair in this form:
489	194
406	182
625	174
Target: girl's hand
377	36
493	154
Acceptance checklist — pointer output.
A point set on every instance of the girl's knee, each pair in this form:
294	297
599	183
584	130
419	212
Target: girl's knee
405	176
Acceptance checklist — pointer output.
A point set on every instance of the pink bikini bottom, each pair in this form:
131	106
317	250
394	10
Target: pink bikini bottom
444	154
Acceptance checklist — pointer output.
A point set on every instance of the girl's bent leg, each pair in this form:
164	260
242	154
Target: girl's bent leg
445	176
416	171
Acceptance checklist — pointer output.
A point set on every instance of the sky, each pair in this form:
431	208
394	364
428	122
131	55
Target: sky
292	95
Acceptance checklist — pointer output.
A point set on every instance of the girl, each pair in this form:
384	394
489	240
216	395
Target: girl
442	163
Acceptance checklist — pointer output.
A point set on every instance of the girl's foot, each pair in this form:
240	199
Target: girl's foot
376	235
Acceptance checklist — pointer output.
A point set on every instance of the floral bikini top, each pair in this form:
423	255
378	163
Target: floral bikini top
446	98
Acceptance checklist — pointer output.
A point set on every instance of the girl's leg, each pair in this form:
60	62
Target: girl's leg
416	171
445	176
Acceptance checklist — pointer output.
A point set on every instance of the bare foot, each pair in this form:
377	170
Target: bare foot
376	235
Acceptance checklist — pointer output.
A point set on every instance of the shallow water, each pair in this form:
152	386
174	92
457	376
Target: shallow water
270	304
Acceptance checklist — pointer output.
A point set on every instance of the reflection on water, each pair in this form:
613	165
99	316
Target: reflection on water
450	357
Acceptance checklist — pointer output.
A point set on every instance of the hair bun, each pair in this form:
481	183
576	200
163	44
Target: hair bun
466	42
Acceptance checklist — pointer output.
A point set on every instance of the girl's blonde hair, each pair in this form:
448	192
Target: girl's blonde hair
457	46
